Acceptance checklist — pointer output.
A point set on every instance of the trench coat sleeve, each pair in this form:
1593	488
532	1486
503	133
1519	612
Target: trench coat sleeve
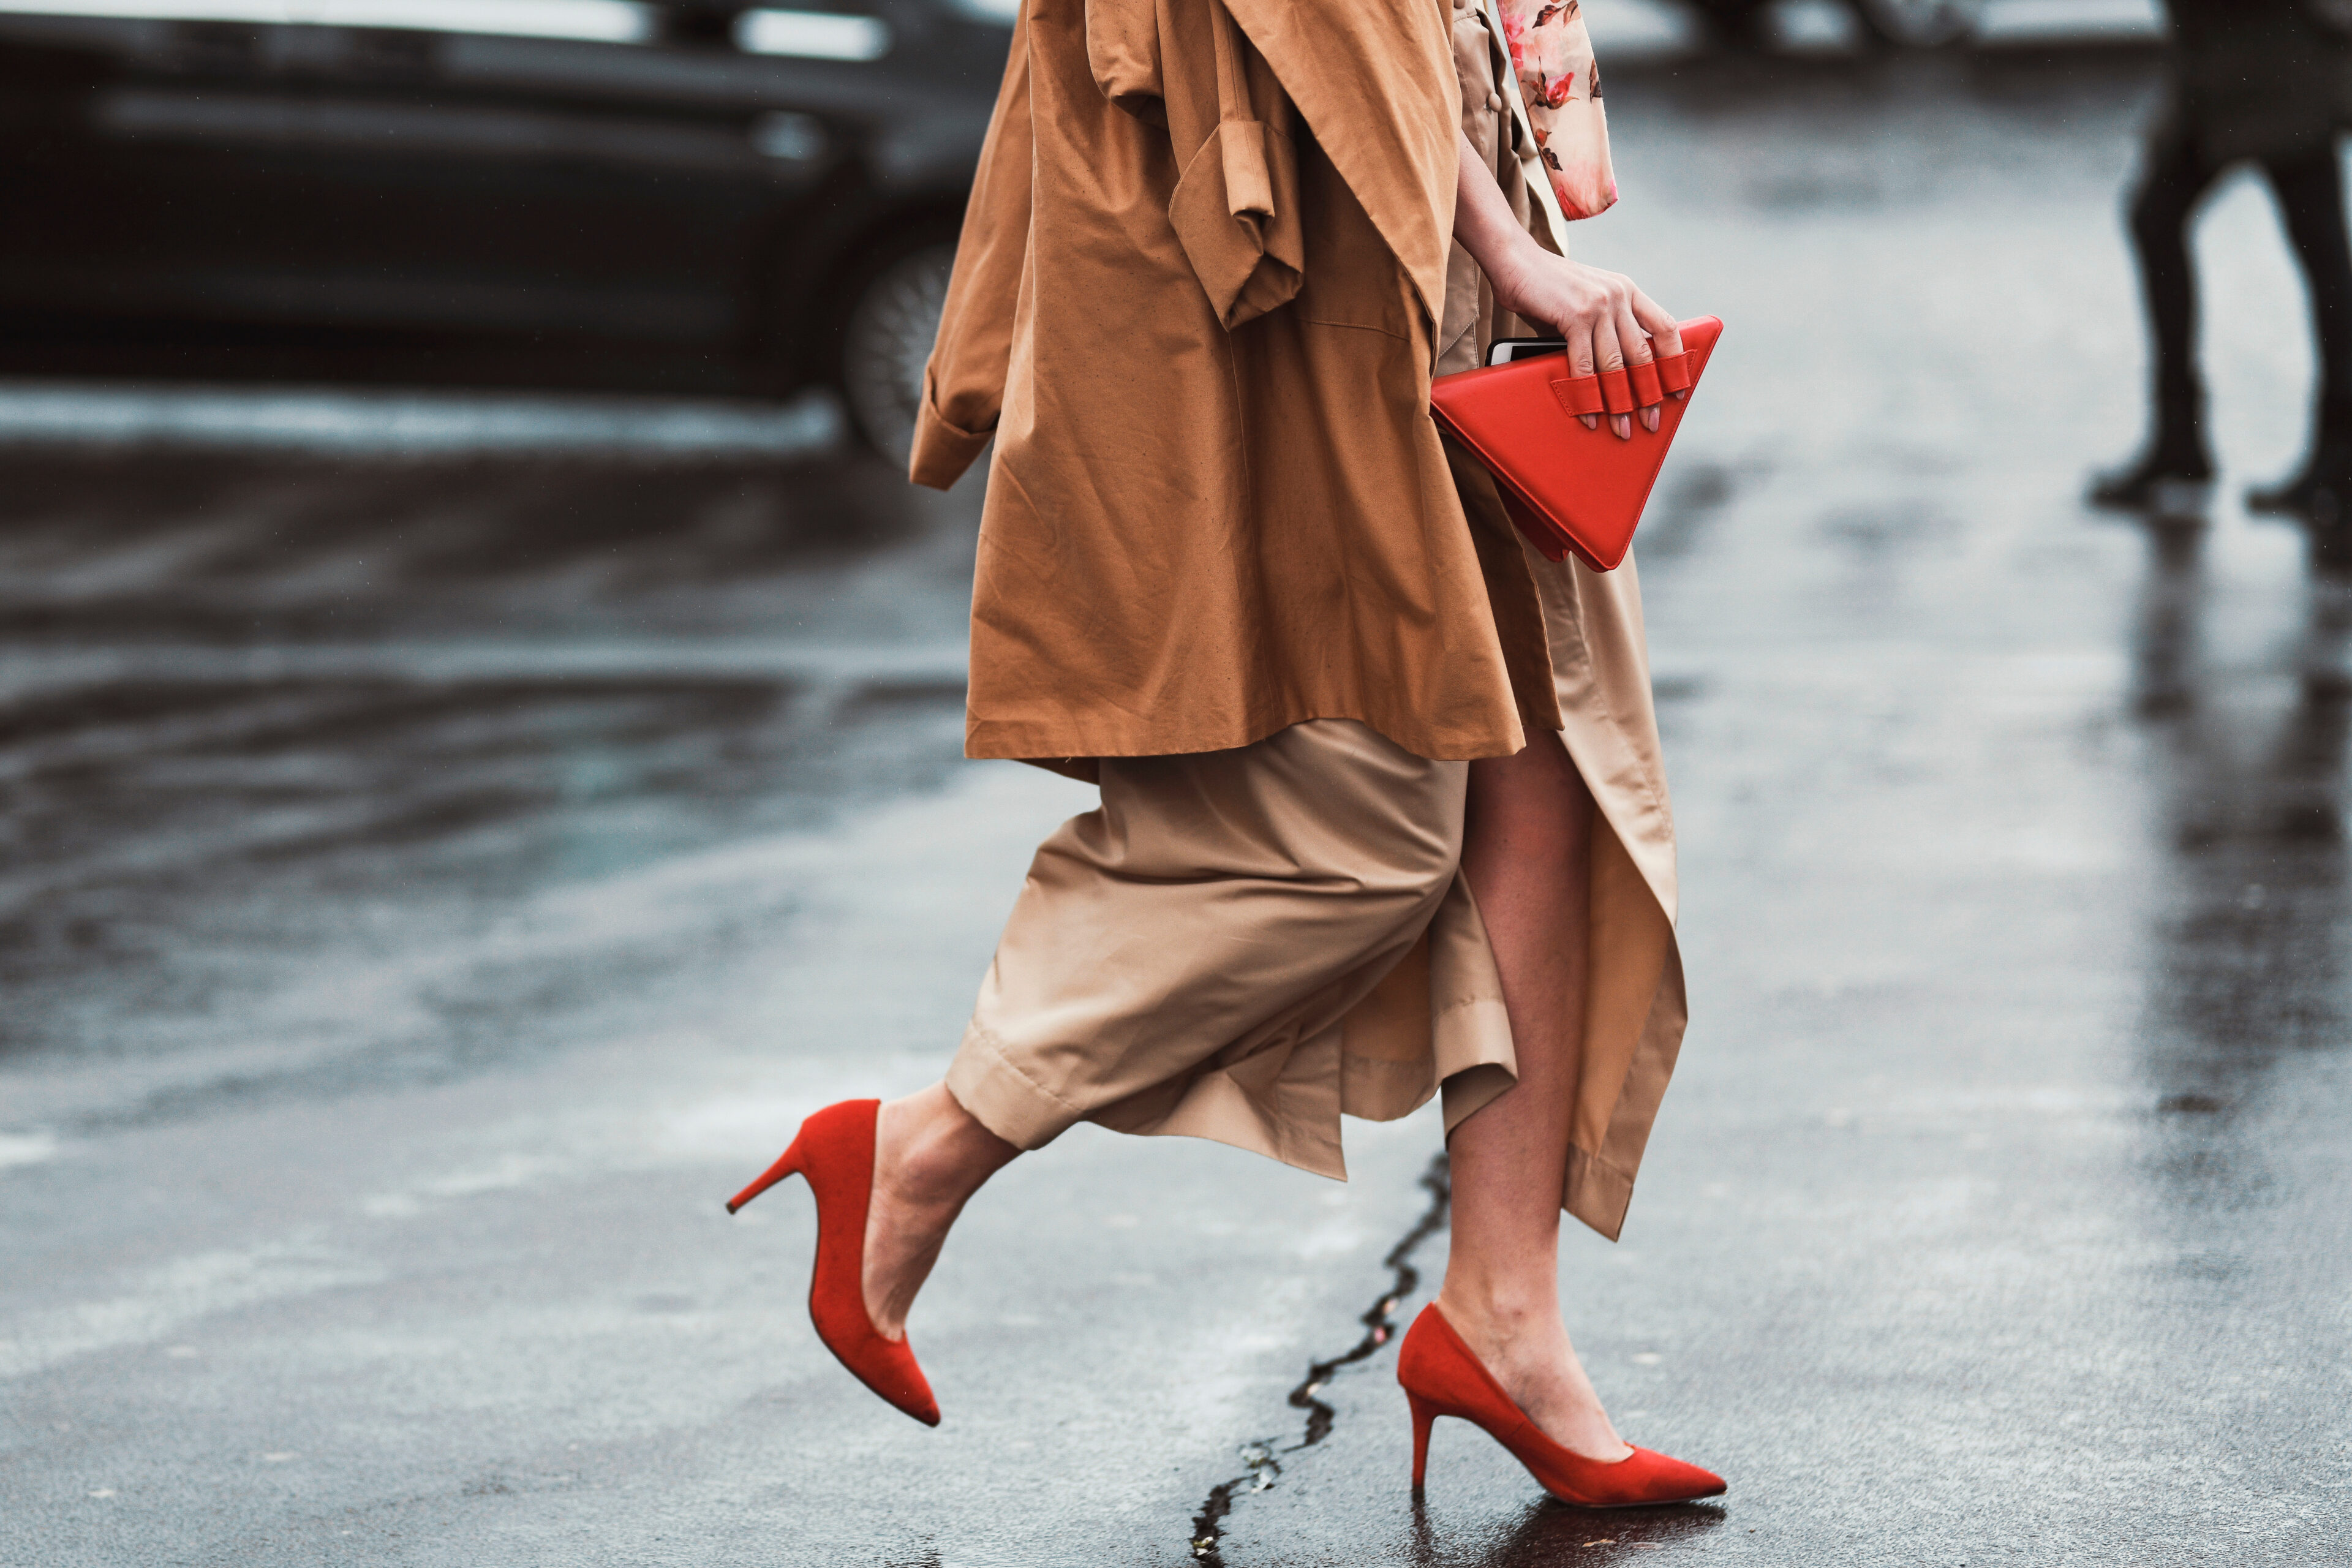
963	384
1235	209
1235	206
1123	51
1375	81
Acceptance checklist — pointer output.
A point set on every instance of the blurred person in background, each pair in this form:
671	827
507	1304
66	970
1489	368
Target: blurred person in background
2269	81
1383	815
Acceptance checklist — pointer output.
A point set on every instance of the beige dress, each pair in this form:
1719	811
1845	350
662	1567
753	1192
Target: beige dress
1247	943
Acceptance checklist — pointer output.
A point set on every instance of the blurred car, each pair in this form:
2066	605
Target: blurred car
680	196
1910	23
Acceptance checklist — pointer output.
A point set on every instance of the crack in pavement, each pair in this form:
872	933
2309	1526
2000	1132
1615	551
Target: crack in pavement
1380	1327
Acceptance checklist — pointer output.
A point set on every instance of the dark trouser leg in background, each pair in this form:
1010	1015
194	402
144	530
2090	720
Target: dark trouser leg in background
2310	193
2171	184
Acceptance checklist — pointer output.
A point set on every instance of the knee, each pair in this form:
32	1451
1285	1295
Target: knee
1415	863
1431	876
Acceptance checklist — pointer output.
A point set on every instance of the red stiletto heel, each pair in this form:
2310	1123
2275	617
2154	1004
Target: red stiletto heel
1424	1417
1441	1376
835	1151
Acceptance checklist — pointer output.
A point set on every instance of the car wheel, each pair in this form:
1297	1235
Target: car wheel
1921	24
894	315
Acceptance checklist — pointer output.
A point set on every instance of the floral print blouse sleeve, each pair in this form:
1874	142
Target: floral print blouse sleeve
1552	54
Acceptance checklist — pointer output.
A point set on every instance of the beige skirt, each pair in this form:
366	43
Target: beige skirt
1246	945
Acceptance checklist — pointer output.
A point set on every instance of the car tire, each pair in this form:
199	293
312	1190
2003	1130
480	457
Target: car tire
893	315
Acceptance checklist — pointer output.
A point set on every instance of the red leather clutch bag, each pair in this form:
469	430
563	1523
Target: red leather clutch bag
1570	489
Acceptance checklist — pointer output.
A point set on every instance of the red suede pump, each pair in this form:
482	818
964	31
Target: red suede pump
1441	1376
835	1151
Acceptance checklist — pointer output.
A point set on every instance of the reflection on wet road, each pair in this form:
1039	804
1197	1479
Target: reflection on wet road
430	885
2249	963
270	719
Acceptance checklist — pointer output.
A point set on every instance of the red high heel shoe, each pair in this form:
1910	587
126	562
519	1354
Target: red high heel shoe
835	1151
1441	1376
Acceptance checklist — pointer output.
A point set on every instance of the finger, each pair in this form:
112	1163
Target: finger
1665	336
1658	324
1579	362
1609	355
1639	350
1647	392
1632	333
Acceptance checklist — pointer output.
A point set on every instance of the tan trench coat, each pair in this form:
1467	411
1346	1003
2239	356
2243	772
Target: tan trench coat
1218	507
1202	272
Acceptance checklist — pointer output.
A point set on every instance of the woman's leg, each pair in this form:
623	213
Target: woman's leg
931	1156
1526	850
2310	193
1212	903
2170	187
2172	178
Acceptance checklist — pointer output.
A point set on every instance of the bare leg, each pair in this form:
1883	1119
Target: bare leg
931	1156
1527	851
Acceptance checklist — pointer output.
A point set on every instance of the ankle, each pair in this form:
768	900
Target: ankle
1496	1317
939	1154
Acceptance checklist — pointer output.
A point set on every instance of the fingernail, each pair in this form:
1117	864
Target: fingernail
1592	421
1650	420
1623	425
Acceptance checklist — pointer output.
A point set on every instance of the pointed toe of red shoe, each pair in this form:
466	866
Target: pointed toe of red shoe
1655	1478
900	1382
887	1366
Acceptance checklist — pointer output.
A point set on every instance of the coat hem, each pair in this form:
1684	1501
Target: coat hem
997	739
1597	1192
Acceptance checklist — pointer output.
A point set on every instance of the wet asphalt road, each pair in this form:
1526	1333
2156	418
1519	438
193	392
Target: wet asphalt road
430	886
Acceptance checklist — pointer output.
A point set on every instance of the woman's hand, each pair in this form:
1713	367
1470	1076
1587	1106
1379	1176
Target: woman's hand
1607	322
